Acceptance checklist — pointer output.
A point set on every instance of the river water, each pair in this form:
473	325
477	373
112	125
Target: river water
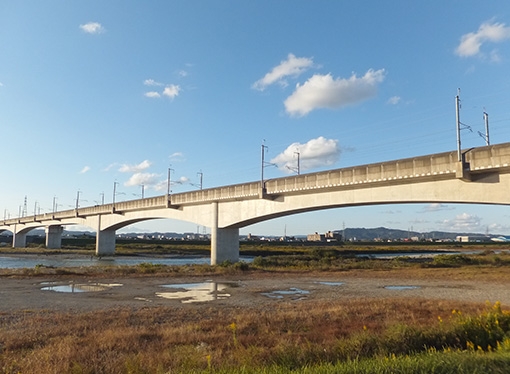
30	261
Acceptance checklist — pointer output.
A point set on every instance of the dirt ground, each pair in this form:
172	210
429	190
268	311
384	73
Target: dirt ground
244	290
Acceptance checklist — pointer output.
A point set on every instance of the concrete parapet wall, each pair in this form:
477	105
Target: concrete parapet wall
412	170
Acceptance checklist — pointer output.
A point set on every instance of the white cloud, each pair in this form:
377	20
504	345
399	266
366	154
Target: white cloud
435	207
183	179
313	154
464	222
125	168
494	56
394	100
391	212
177	157
109	167
417	221
172	91
152	94
183	73
176	154
471	43
151	82
92	28
147	179
161	185
85	169
293	66
322	91
499	228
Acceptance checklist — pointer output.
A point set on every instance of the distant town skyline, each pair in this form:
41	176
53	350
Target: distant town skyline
92	97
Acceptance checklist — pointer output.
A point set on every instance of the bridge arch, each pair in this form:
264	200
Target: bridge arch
451	191
122	221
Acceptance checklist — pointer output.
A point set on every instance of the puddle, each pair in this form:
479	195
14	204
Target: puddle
331	283
78	287
143	299
401	287
293	293
197	292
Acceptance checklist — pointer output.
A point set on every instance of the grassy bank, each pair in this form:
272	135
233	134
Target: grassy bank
487	265
364	336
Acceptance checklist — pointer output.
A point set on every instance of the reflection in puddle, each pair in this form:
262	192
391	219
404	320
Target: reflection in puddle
401	287
197	292
78	287
294	293
331	283
143	299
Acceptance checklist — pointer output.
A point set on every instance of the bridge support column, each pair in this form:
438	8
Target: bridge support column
19	239
54	237
105	241
224	242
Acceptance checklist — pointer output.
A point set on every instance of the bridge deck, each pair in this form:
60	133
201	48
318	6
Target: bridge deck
440	165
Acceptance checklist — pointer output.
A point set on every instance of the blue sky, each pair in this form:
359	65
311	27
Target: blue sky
97	92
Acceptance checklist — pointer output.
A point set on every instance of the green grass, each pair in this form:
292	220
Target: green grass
282	341
460	362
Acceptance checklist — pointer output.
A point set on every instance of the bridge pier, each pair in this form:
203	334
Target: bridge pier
54	237
19	239
105	240
224	242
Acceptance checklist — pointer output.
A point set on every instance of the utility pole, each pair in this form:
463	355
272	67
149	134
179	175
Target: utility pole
201	178
102	198
298	164
143	188
486	118
457	107
54	204
168	187
264	147
77	199
114	192
25	209
35	209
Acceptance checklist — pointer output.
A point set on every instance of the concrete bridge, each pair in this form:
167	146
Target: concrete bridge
483	177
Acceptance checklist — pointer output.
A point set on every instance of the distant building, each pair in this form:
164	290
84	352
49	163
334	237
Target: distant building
327	237
463	239
315	237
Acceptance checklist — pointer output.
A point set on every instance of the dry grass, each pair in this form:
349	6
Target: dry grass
156	340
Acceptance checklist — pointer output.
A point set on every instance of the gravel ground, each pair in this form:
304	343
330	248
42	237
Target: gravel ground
242	290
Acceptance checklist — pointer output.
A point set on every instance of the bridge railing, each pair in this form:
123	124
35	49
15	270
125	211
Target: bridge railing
147	203
495	156
251	189
407	168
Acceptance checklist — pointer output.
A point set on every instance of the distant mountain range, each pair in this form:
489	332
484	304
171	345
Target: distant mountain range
359	234
384	233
